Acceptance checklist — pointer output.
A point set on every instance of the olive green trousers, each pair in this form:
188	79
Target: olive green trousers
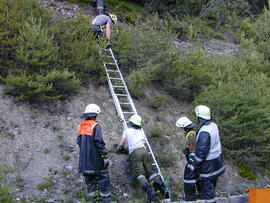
140	164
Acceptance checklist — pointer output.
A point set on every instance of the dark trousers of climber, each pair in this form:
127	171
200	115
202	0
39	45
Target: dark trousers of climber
100	6
98	187
98	31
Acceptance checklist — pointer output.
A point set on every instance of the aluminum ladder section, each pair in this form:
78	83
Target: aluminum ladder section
121	97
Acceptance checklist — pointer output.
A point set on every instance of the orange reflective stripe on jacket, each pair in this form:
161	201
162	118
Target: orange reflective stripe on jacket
87	127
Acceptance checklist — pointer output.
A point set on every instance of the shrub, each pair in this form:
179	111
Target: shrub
188	77
157	101
239	101
53	85
165	159
35	47
127	11
245	171
261	34
12	17
145	50
78	50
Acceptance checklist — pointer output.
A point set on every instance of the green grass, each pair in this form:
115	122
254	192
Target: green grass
245	171
124	6
48	184
6	194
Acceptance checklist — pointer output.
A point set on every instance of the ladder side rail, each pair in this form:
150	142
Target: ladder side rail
153	156
115	98
119	110
135	111
129	97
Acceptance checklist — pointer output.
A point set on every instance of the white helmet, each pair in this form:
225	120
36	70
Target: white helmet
203	112
113	17
136	119
92	108
184	122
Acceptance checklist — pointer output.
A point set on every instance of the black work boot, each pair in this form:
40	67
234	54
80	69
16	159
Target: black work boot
149	191
159	185
93	198
105	200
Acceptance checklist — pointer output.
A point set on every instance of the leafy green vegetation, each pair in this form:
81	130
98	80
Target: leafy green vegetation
42	60
245	171
46	185
127	11
236	88
6	193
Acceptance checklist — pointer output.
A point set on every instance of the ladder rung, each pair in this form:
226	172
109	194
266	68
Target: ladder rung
125	103
112	71
128	112
153	164
118	86
109	63
121	95
115	78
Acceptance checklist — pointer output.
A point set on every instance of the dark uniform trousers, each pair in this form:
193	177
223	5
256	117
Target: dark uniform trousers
98	184
191	181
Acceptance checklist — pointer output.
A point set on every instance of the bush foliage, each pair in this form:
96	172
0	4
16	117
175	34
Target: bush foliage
238	100
38	87
236	88
6	193
44	60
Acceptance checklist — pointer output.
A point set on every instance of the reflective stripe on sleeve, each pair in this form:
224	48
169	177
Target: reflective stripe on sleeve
198	159
190	166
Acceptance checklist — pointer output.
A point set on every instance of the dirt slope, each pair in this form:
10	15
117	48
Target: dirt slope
39	142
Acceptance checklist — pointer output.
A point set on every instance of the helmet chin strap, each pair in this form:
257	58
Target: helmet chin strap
201	120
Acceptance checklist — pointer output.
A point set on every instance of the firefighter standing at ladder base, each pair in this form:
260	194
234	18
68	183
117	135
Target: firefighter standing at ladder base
93	161
104	21
208	158
140	161
191	177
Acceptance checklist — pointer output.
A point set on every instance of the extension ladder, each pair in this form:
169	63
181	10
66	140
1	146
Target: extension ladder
121	97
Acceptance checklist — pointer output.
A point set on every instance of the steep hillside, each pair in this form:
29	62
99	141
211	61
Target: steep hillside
38	142
39	154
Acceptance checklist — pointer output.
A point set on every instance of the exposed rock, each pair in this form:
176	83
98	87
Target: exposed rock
68	10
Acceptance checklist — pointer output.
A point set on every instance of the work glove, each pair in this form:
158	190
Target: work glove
106	163
121	151
192	161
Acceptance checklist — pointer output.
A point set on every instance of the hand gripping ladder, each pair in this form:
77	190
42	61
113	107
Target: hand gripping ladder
121	97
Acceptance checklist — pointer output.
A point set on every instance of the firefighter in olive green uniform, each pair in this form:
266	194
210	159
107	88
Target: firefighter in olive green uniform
139	159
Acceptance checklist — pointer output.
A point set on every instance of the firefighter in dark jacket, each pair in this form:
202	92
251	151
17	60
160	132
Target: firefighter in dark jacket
94	161
191	177
208	158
